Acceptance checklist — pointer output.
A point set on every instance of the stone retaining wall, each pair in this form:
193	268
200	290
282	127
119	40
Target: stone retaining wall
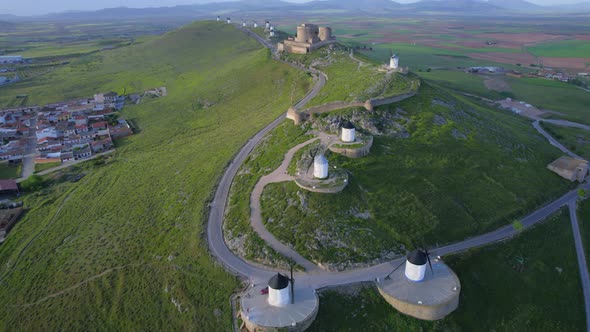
299	117
353	152
420	311
302	326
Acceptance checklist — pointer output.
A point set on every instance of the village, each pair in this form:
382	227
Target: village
56	134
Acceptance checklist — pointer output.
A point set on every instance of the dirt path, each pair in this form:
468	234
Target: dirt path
71	288
34	238
279	175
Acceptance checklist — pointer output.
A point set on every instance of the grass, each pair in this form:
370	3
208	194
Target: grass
347	81
584	223
8	171
136	223
566	99
45	166
562	49
498	294
430	185
575	139
264	159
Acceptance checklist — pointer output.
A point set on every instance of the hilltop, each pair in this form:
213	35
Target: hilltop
441	169
123	248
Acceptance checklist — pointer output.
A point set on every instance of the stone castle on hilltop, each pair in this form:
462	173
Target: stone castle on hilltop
309	38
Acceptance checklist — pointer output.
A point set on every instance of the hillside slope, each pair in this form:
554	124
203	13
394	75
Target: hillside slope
441	169
123	248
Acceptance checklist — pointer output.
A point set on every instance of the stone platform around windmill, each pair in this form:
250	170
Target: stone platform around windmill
258	315
361	147
431	299
336	181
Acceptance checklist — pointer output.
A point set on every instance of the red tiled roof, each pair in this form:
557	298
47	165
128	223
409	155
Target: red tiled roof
8	185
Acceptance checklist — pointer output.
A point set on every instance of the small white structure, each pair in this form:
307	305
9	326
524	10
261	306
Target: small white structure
348	133
244	24
255	25
272	28
416	265
279	293
228	20
320	167
218	18
272	33
267	25
394	62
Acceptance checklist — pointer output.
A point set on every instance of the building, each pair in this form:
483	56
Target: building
11	59
570	168
309	38
320	167
394	62
348	133
279	293
8	187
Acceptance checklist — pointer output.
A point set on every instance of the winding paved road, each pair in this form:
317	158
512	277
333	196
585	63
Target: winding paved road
318	278
553	141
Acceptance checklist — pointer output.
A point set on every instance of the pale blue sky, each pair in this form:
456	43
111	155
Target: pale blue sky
36	7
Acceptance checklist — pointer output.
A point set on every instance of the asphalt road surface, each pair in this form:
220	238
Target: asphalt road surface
582	262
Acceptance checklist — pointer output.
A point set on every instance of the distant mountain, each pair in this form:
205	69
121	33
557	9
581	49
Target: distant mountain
576	7
455	6
244	8
515	5
366	5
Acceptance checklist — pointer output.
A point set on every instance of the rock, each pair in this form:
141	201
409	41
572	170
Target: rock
217	312
559	270
439	120
458	135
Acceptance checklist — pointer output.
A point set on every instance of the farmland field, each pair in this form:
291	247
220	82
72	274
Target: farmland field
500	290
122	248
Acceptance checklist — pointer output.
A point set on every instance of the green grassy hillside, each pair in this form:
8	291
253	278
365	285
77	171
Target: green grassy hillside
124	248
530	283
446	169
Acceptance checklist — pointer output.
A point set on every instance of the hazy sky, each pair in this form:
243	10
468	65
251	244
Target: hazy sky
36	7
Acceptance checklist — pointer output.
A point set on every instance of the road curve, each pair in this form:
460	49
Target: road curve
553	141
319	278
216	241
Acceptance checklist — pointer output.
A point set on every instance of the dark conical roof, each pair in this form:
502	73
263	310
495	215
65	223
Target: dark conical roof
348	125
278	281
417	257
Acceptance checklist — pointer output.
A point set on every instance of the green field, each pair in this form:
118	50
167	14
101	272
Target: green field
584	223
568	101
433	185
575	139
562	49
45	166
9	171
530	283
123	248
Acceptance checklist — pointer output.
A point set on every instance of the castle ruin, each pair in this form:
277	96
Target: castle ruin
309	38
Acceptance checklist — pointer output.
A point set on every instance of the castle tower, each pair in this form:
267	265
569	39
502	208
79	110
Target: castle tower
325	33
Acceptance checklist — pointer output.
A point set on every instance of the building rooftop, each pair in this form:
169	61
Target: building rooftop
567	163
